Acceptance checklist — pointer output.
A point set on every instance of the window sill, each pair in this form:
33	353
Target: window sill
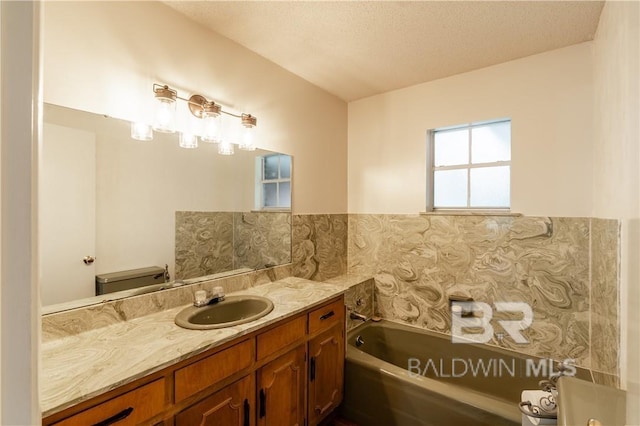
274	210
471	213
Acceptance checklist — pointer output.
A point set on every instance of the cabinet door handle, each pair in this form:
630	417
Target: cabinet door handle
312	368
247	412
263	403
116	418
327	315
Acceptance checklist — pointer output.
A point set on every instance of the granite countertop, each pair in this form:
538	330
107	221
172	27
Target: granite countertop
79	367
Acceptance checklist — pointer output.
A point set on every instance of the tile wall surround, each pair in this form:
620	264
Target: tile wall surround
212	242
261	239
417	261
565	268
605	323
358	297
204	243
319	250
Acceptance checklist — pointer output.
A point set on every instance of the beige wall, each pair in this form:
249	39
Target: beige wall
104	57
615	169
548	97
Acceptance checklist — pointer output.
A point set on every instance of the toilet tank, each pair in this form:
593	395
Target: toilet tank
125	280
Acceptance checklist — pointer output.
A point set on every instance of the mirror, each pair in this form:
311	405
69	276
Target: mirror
109	203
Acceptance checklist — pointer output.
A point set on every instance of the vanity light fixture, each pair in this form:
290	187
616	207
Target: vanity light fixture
212	122
141	131
225	148
249	123
210	129
165	117
187	140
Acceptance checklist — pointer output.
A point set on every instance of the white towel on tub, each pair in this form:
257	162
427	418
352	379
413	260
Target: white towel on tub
537	397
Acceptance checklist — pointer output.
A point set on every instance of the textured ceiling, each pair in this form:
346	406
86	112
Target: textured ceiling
356	49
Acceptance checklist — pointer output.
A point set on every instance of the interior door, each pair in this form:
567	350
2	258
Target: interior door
67	212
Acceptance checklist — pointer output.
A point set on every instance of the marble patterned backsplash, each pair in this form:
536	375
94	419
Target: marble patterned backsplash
319	250
417	261
261	239
204	243
566	269
212	242
358	296
605	323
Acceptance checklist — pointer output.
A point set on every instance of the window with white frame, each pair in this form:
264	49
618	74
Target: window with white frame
470	166
274	182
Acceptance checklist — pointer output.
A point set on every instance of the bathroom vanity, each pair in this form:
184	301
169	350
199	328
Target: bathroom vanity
287	366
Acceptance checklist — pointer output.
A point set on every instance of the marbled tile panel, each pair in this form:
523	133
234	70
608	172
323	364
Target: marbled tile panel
605	379
359	298
204	243
80	320
605	326
418	261
357	287
349	280
319	246
78	367
261	238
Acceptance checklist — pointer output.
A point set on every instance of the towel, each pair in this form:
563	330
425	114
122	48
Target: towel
543	400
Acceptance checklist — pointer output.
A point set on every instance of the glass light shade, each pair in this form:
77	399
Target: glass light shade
248	136
165	118
232	130
225	148
212	130
141	131
188	140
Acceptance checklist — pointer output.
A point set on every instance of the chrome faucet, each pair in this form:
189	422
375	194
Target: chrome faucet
204	298
356	316
167	277
460	304
164	275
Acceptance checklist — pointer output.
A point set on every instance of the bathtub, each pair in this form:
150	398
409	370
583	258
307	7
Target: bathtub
402	375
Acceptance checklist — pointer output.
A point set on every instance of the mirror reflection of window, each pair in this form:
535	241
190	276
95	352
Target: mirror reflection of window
274	182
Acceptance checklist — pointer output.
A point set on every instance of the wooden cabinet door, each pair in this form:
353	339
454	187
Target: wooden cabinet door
232	406
281	390
326	373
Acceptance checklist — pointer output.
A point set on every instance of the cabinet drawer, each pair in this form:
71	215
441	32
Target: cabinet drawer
131	408
281	336
326	316
207	372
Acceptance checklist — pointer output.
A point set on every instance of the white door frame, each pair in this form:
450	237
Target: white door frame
19	136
